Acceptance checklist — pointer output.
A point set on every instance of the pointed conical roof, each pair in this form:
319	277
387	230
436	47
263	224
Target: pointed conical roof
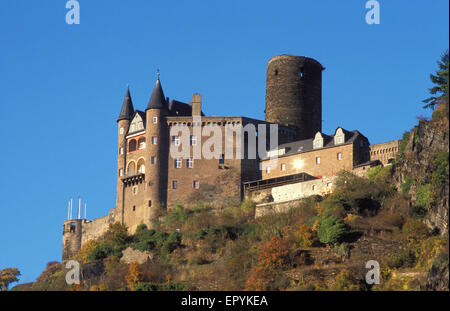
127	108
157	101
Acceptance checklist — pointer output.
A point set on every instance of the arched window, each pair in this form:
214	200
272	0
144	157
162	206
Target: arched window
131	170
141	166
132	146
141	143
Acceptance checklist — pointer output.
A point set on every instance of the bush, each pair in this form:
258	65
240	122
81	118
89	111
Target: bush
404	259
406	186
404	142
379	174
172	241
440	166
345	280
415	228
332	230
424	195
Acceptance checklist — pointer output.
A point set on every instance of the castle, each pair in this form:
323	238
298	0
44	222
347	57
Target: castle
149	178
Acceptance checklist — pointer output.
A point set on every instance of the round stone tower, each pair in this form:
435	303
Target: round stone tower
294	94
72	233
157	134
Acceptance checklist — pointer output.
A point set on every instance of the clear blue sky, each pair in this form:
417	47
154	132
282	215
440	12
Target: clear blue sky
62	86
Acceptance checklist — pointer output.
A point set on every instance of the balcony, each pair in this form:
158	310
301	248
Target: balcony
133	180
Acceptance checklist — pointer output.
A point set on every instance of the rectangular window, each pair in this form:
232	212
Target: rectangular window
190	163
339	156
154	140
222	159
121	131
283	167
174	184
177	163
134	190
155	120
176	140
195	184
149	203
317	160
153	160
193	140
121	172
121	150
140	126
142	145
268	170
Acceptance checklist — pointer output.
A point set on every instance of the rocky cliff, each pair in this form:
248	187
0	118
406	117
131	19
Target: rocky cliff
422	173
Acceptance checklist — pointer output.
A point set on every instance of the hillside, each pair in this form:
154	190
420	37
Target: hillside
397	216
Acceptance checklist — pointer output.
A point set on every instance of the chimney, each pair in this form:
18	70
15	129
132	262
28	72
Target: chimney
196	104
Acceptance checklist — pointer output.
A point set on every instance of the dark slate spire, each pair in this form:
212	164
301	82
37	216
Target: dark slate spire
127	108
157	101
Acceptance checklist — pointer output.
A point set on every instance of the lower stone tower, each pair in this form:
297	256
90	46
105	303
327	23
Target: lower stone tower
72	233
294	94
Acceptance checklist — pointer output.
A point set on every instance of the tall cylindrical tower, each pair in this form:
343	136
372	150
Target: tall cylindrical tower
157	136
294	94
123	123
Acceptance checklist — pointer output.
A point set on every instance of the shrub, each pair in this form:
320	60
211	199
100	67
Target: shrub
305	236
170	244
345	280
404	142
415	228
379	174
406	186
404	259
424	195
332	230
440	166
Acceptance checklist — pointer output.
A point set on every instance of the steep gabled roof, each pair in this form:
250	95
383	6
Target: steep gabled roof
127	108
157	101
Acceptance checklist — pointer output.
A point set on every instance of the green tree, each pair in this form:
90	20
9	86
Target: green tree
332	230
440	90
8	276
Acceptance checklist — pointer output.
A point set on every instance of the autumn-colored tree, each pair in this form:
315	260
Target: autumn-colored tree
273	254
134	275
258	279
271	257
8	276
86	250
305	236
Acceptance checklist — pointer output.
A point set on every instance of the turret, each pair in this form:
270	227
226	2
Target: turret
72	233
123	123
157	136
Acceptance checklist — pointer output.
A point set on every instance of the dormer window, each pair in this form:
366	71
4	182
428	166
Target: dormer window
318	141
339	136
